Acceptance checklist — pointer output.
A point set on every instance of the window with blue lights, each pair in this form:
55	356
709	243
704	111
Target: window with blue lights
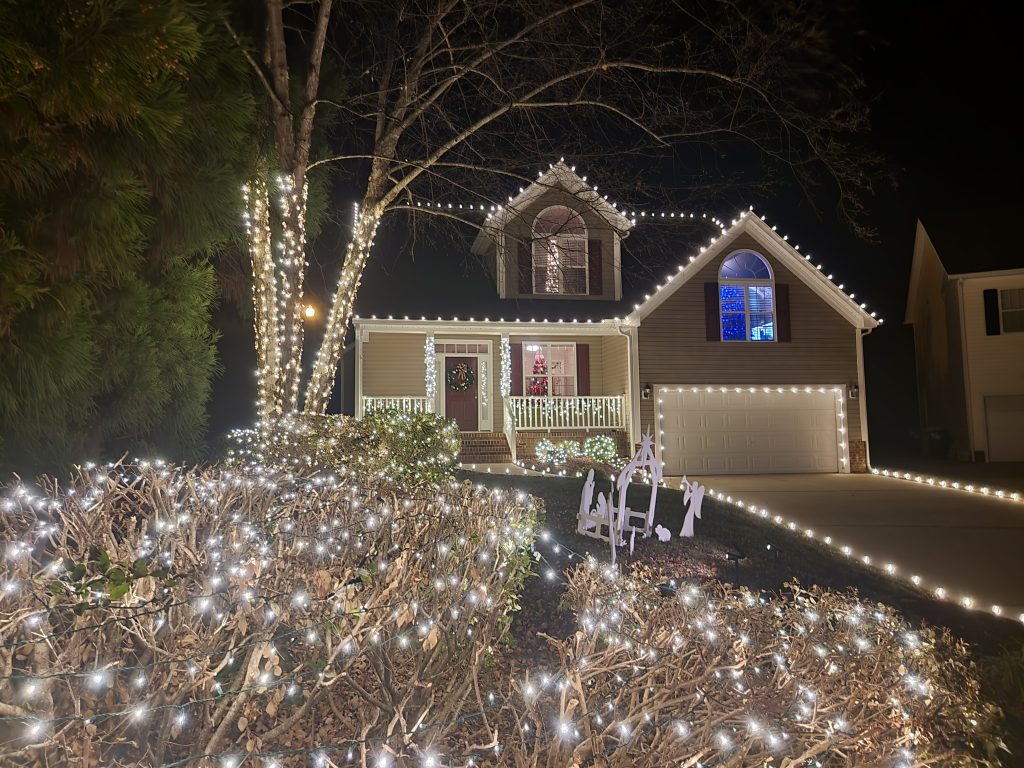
746	293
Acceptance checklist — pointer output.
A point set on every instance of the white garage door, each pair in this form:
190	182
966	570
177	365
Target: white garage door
748	432
1004	419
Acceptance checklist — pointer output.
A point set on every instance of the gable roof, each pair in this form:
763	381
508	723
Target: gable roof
810	274
561	177
923	250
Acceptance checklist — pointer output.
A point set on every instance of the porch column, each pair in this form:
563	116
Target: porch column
430	374
506	368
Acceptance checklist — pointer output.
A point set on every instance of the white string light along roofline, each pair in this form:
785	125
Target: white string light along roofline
635	216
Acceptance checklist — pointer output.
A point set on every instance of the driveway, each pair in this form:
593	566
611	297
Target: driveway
971	546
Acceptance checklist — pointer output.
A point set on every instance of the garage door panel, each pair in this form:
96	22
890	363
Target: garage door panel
742	432
1004	421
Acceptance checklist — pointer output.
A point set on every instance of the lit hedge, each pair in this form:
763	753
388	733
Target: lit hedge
597	450
407	448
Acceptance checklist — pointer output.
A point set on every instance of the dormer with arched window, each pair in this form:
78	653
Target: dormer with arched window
558	238
746	298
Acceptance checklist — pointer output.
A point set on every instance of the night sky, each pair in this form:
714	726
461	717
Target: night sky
942	116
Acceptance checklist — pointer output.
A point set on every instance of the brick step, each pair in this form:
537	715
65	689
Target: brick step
484	448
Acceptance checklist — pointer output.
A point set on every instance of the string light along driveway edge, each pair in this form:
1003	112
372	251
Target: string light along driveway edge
888	568
952	485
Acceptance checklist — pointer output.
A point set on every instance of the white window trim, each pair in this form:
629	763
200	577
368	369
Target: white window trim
547	345
1003	312
746	301
585	236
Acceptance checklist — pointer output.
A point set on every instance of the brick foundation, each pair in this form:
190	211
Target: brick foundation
526	442
858	456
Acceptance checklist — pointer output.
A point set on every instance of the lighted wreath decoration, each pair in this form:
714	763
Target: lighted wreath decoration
461	377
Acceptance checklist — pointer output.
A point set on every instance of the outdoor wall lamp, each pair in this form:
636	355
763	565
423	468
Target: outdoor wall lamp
646	392
852	391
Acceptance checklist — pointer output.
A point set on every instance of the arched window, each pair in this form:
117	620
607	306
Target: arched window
746	292
559	252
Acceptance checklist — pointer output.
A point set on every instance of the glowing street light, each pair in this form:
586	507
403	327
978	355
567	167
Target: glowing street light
309	311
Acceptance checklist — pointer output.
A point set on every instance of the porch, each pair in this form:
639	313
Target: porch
527	420
518	381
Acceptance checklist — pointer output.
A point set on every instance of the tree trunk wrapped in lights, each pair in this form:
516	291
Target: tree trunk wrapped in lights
264	299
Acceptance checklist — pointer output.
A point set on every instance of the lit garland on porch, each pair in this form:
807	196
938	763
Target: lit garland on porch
506	366
430	371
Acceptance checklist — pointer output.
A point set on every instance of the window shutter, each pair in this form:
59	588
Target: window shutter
525	270
712	325
783	331
991	298
582	369
595	266
516	350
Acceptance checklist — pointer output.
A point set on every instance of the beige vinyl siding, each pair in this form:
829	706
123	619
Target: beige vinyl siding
673	348
393	365
995	364
615	364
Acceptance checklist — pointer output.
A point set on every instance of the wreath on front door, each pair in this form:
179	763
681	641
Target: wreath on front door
461	377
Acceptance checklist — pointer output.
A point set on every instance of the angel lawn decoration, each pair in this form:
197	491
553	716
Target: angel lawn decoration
693	499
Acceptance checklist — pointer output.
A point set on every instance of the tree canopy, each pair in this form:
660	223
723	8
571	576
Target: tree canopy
465	97
125	136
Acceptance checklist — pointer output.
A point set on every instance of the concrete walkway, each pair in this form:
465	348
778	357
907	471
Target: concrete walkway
972	546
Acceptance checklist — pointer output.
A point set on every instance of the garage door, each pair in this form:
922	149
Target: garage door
748	432
1004	419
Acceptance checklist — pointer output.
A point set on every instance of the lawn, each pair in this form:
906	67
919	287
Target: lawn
770	557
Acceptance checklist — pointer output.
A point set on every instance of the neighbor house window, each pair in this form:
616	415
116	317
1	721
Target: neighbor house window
549	370
1011	308
559	252
746	295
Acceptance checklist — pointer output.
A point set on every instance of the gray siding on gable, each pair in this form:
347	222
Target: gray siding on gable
673	348
519	230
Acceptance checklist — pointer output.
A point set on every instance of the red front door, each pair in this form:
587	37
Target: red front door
461	404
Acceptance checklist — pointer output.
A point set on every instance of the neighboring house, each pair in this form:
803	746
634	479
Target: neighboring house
748	359
969	354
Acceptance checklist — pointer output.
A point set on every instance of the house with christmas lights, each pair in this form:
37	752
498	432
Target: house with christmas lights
968	352
747	359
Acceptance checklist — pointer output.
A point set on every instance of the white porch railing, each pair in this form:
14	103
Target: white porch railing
407	404
600	412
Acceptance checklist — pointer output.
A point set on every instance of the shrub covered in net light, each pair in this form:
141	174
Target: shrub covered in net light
407	448
153	615
598	449
716	675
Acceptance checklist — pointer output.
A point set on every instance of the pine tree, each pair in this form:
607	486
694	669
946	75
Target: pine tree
124	141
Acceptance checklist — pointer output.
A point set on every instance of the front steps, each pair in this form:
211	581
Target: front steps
484	448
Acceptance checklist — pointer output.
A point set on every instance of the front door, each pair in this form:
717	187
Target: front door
460	392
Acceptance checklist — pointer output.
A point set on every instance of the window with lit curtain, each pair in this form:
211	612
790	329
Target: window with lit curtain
549	370
746	292
559	252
